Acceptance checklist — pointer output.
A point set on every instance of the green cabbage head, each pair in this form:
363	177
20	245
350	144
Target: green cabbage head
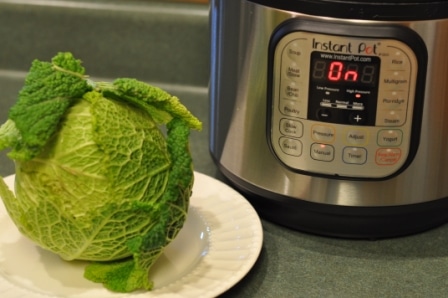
96	179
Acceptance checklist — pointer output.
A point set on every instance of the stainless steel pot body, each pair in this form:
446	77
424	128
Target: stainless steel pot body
241	33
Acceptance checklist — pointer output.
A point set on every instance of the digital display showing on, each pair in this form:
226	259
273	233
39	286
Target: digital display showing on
344	69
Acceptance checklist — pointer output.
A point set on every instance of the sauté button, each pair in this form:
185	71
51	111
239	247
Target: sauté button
290	146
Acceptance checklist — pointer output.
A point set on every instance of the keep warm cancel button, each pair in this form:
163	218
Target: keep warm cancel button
387	156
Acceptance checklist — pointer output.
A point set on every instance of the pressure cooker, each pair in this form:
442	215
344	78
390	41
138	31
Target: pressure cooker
331	116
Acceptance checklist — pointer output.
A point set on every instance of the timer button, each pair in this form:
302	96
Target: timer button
354	155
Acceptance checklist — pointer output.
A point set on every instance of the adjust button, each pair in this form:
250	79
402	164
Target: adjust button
357	137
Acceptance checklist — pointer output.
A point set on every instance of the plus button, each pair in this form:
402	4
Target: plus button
357	118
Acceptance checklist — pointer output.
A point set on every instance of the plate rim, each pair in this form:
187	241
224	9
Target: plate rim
223	285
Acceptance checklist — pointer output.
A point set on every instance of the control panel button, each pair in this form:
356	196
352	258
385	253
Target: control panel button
291	128
357	137
322	152
357	118
354	155
293	71
390	137
324	114
294	50
391	118
291	90
387	156
291	108
323	133
291	146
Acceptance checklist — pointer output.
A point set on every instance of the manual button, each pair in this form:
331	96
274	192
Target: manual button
322	152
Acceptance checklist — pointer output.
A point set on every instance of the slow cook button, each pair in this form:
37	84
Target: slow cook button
322	152
354	155
387	156
291	128
290	146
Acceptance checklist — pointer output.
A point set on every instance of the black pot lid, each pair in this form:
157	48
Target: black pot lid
381	10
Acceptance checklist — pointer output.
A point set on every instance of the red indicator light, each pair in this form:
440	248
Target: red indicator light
357	95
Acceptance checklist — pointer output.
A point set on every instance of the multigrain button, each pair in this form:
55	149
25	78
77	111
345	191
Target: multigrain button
322	133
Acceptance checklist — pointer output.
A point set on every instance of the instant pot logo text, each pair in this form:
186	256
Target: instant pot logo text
349	48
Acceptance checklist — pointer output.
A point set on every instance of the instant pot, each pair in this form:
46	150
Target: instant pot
331	116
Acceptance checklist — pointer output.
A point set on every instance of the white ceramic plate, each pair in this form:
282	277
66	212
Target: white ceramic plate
219	244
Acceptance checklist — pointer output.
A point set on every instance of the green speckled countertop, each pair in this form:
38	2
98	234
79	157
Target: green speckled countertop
168	44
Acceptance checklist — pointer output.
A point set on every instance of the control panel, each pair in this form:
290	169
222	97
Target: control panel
342	105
